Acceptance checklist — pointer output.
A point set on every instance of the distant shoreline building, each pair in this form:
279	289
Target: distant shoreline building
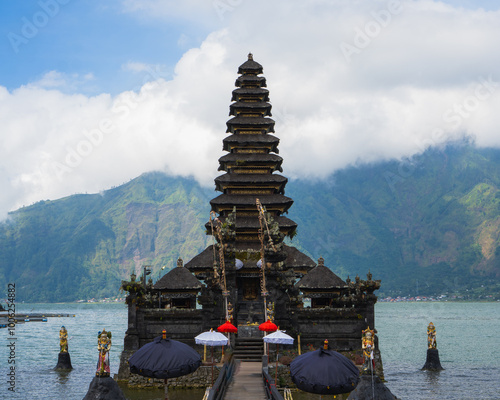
248	265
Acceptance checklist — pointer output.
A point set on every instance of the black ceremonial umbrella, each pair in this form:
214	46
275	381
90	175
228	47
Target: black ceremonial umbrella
324	371
164	358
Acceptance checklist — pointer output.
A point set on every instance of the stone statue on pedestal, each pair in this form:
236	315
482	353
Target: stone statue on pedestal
368	346
103	346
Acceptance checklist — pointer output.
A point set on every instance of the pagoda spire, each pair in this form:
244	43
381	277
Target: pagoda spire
251	165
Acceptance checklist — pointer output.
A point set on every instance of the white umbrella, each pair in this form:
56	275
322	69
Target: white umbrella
211	338
278	337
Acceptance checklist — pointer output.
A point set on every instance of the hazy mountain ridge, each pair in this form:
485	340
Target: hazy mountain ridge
428	225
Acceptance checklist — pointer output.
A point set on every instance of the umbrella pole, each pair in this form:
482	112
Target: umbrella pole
212	366
205	353
276	374
166	389
267	352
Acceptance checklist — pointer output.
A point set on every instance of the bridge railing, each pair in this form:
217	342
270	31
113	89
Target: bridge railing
218	390
269	383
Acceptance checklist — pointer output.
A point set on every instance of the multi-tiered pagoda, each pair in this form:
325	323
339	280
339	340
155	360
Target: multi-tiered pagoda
251	175
249	271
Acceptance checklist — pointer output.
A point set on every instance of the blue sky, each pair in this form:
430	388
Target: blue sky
98	92
86	38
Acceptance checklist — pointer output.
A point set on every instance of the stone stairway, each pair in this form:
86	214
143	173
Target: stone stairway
249	349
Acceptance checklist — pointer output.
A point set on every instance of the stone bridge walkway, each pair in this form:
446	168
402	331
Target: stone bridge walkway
247	382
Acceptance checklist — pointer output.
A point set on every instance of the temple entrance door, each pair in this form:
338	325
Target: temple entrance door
250	308
250	289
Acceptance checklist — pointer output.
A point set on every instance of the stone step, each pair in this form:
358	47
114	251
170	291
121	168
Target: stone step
249	349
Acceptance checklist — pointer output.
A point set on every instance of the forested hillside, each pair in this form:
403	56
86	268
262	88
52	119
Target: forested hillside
425	226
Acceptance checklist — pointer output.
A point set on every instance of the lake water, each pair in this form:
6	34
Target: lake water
467	338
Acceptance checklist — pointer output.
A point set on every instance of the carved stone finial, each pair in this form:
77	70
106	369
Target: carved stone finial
250	56
180	263
321	261
369	275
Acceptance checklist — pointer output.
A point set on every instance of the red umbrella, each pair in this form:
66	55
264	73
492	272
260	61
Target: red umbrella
268	326
227	327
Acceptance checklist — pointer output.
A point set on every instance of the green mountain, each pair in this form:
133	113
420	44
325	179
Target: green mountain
426	226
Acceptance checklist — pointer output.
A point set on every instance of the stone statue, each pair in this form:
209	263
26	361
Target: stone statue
431	336
432	363
368	346
270	311
103	346
230	311
63	340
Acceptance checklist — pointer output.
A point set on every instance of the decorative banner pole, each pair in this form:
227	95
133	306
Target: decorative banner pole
225	292
262	222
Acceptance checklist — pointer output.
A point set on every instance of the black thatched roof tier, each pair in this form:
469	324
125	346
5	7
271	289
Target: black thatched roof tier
250	80
250	122
250	67
320	277
295	259
203	261
178	278
249	159
242	107
255	180
251	140
267	201
250	93
242	223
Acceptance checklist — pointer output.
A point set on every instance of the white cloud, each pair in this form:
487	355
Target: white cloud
428	75
62	81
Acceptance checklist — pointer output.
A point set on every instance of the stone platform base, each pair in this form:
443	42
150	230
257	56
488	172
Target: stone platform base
368	389
201	378
104	389
64	362
249	331
432	362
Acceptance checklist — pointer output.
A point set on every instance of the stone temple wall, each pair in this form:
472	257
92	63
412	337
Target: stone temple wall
342	327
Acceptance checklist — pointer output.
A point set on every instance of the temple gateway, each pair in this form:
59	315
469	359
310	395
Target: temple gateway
249	274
